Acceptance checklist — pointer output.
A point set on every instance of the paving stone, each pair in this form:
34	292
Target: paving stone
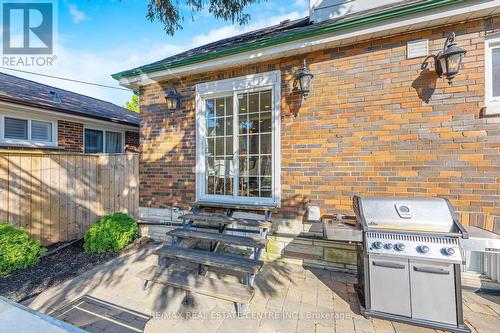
382	326
362	325
405	328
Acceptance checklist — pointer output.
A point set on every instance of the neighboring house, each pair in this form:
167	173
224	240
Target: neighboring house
375	122
38	116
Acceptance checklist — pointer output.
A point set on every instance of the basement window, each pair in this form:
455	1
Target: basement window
238	140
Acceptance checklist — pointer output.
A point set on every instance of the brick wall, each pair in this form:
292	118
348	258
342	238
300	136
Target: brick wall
70	136
132	141
375	124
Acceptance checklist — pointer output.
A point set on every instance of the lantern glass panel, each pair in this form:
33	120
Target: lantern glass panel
454	61
305	82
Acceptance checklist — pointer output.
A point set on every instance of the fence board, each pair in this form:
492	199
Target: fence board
56	197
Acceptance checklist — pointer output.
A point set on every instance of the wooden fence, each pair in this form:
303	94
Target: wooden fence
56	197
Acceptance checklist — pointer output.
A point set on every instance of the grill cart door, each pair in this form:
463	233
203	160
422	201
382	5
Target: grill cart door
390	285
433	291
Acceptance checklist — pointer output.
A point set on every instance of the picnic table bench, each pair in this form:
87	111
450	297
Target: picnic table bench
171	270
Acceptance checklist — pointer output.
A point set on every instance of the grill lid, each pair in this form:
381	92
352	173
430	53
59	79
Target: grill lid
412	214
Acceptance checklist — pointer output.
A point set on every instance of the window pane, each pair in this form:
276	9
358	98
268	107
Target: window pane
265	166
219	126
219	185
16	128
211	126
253	165
229	186
229	126
209	105
496	72
41	131
210	166
265	144
243	149
265	100
253	123
229	106
243	101
254	144
243	186
243	167
243	124
265	122
229	145
253	186
113	142
219	107
210	185
210	147
219	146
266	187
93	141
253	102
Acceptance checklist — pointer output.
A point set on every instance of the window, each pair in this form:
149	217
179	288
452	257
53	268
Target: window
41	131
93	141
492	75
98	141
113	142
26	131
237	140
15	128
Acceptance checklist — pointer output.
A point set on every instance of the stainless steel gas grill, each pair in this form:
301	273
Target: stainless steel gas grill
409	263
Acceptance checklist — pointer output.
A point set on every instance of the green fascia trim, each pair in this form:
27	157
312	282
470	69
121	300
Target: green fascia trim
335	27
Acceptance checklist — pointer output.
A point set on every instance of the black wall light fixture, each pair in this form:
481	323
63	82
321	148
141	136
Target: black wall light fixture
303	79
449	60
172	98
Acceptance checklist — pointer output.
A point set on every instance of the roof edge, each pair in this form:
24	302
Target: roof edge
334	27
61	110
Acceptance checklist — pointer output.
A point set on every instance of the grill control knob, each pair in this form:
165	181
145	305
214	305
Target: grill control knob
388	246
423	249
399	247
448	251
377	245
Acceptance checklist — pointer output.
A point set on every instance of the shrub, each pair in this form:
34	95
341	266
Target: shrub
110	233
17	249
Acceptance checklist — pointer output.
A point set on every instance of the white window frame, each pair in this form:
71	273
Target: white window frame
103	130
492	103
248	83
29	142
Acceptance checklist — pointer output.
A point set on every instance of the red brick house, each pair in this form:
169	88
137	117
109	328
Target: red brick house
375	122
37	116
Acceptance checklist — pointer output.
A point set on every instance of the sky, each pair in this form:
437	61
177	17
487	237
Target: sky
97	38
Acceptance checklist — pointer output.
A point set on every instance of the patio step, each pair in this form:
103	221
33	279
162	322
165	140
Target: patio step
229	291
212	259
221	238
223	219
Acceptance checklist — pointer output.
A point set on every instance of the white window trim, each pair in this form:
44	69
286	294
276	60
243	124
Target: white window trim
223	88
492	103
29	142
103	130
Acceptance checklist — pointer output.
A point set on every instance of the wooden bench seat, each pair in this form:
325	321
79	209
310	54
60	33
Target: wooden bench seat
213	259
223	219
229	291
217	237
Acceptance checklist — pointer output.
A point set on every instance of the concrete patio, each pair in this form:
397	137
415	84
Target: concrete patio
289	298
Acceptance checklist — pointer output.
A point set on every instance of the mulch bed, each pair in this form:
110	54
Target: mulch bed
56	268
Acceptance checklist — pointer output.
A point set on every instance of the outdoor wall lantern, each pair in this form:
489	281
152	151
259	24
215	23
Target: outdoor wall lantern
449	60
173	99
303	78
